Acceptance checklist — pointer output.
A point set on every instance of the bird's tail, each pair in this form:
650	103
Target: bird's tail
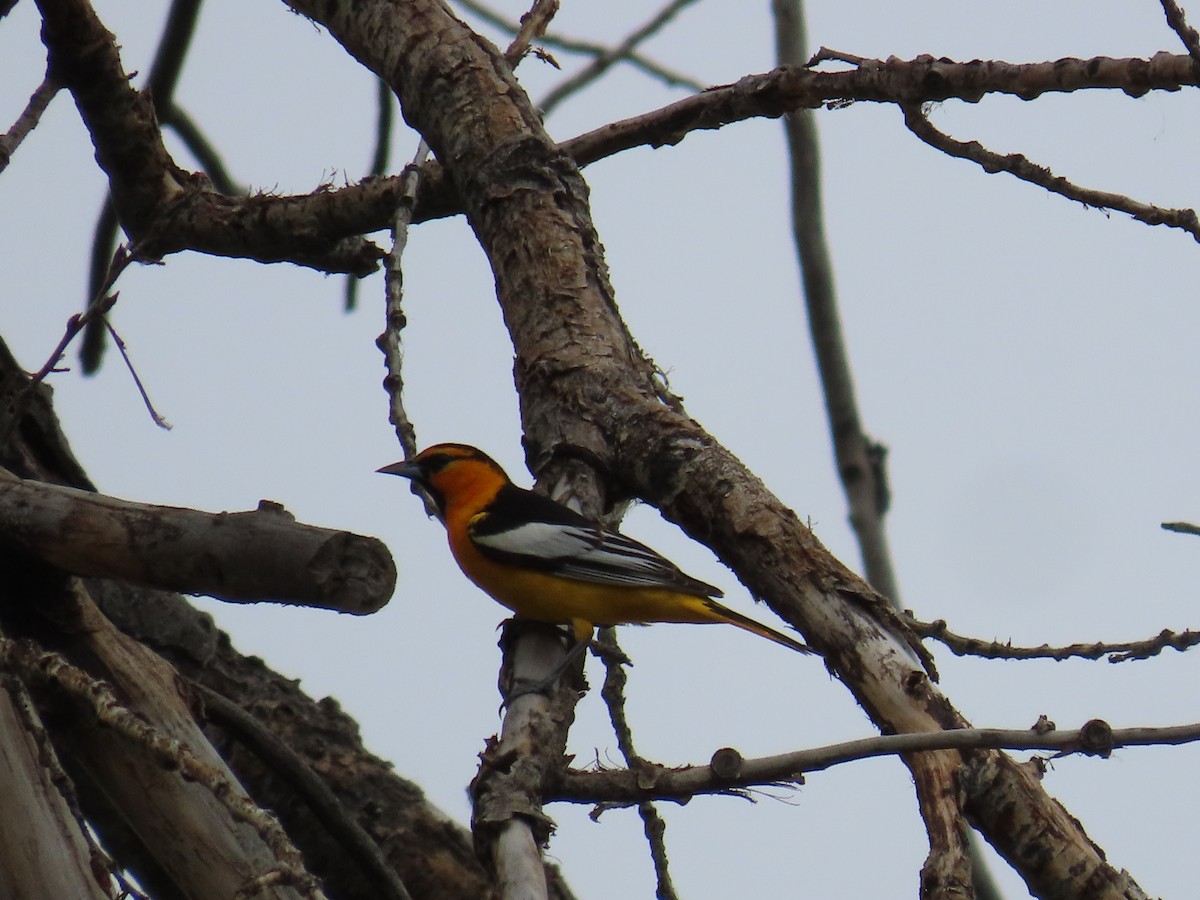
725	614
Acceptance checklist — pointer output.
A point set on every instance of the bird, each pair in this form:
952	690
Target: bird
548	563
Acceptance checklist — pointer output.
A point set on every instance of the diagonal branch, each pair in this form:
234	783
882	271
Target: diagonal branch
1019	166
28	119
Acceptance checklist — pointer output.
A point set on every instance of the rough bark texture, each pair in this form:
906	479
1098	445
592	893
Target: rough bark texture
50	830
244	556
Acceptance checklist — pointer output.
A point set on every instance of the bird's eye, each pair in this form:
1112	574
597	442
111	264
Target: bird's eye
438	461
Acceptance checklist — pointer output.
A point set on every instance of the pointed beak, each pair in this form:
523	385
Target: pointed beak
404	469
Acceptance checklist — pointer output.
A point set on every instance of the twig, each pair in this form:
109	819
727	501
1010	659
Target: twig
586	48
1117	652
613	694
154	414
1020	167
826	54
102	301
605	61
28	119
34	664
288	765
729	771
533	25
389	342
1178	23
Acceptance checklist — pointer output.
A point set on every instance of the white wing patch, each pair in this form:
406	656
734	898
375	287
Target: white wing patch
585	553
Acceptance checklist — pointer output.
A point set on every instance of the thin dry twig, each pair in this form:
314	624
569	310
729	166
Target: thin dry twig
586	48
1122	651
1021	167
1187	34
154	413
533	25
729	771
602	63
613	694
102	301
28	119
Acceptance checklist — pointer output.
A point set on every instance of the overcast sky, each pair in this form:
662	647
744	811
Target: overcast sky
1031	365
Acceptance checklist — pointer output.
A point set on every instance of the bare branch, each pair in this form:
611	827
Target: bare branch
586	48
102	301
1187	34
28	119
1122	651
915	81
731	772
137	380
263	555
1019	166
602	63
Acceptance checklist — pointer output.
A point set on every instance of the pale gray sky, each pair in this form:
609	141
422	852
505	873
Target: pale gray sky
1031	364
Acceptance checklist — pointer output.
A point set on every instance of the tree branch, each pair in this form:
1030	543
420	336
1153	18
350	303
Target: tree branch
243	557
28	119
729	772
163	208
1123	651
1019	166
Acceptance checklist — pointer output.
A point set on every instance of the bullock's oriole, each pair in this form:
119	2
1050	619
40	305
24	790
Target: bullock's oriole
548	563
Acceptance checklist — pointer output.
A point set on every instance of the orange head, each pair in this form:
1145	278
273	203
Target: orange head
453	474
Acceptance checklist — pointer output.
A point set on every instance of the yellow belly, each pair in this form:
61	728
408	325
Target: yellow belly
581	604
